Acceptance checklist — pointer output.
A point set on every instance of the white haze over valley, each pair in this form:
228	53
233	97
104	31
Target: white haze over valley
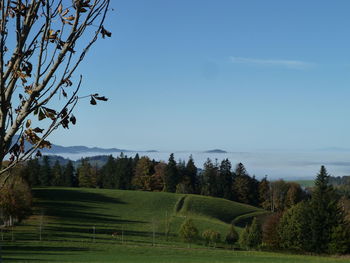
274	164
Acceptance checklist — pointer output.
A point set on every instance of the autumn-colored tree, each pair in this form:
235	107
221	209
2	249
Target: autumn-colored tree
143	172
87	174
157	179
270	230
265	194
15	198
42	43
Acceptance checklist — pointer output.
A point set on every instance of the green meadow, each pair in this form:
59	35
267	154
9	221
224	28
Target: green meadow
76	225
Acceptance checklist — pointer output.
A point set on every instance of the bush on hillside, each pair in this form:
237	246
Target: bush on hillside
188	232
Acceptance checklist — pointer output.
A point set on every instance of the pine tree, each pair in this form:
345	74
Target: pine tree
243	238
226	180
241	184
32	170
68	175
210	179
265	194
254	237
294	228
108	172
56	174
85	174
325	212
171	175
340	239
191	174
45	177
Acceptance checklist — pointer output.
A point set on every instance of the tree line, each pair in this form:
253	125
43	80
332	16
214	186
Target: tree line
141	173
317	225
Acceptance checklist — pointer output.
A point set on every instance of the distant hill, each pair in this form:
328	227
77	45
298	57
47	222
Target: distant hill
57	149
215	151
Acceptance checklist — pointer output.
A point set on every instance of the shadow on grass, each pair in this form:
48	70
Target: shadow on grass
64	194
74	205
28	253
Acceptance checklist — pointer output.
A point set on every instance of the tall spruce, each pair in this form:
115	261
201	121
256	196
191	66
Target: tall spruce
191	174
68	174
171	175
209	182
226	180
45	177
254	238
56	174
325	212
108	171
33	169
241	184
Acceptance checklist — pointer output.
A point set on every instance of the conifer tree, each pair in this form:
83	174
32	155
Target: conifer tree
226	180
265	194
32	170
45	177
85	174
210	179
243	238
191	174
254	237
108	173
241	184
171	175
325	212
68	175
56	174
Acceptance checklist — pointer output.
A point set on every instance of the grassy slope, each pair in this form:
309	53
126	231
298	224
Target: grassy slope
69	216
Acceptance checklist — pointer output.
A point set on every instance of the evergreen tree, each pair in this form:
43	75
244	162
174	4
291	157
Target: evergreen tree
171	178
183	183
254	237
32	171
226	180
123	172
191	174
108	173
56	174
294	230
210	179
325	212
265	194
243	238
45	177
340	239
241	184
85	174
68	175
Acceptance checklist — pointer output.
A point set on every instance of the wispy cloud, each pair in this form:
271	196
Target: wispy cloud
293	64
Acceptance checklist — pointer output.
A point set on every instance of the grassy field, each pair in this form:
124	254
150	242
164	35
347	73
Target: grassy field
76	225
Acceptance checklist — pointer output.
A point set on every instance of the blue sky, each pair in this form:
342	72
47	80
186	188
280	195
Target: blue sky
237	75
